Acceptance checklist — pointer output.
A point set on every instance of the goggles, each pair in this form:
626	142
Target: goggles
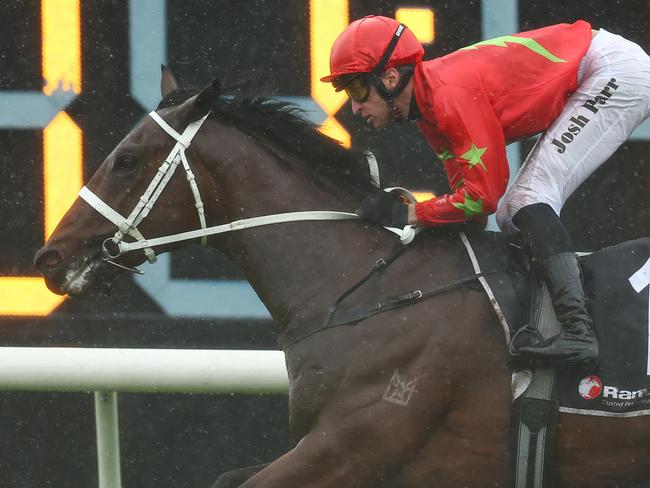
358	88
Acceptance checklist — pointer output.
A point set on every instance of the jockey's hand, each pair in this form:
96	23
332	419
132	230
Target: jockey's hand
383	208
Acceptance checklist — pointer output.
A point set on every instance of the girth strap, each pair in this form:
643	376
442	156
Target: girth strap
534	414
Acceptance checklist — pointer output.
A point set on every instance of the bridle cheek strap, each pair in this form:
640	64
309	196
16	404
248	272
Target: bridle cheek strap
129	225
185	139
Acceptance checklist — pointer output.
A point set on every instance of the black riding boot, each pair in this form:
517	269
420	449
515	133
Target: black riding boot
553	252
577	343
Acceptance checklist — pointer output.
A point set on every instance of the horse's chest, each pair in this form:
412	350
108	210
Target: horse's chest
312	382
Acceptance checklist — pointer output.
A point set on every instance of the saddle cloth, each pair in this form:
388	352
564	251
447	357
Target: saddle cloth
617	284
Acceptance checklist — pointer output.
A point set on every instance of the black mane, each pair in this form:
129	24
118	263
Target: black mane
283	125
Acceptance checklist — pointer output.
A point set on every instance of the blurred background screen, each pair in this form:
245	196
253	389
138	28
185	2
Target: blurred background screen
77	76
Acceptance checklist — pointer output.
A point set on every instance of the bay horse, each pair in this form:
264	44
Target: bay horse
251	158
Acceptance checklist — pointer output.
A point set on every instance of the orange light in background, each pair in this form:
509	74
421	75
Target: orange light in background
327	19
423	196
62	149
420	21
62	168
61	52
26	296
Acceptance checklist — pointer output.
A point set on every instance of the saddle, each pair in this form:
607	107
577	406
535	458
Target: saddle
614	280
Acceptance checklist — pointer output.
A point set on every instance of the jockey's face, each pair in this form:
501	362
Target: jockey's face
374	110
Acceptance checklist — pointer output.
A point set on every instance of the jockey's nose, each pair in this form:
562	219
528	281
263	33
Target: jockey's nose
355	106
47	260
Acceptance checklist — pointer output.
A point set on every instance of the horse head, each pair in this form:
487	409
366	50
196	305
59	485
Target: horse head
251	157
76	258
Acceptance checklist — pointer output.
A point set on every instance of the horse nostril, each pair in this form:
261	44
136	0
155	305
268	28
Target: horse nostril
47	260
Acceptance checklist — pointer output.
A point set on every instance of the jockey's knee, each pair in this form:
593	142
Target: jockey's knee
515	200
503	218
506	210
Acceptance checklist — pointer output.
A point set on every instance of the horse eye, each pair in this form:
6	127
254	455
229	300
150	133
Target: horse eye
125	163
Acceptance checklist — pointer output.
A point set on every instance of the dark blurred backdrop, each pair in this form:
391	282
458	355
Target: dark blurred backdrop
187	440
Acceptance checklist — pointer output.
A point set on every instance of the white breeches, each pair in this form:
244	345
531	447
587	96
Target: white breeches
613	98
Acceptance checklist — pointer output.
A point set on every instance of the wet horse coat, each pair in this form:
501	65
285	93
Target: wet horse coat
414	397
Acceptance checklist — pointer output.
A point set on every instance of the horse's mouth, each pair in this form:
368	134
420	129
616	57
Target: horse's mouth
87	279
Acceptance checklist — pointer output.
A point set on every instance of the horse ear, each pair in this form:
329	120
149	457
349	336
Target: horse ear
207	98
168	81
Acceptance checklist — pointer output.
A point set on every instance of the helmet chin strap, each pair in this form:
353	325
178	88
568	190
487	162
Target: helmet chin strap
406	72
394	111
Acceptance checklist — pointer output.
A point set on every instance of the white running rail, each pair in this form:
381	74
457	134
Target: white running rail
107	371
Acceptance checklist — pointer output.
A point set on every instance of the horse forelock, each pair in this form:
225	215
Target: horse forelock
284	125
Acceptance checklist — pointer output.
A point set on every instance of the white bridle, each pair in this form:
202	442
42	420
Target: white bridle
129	225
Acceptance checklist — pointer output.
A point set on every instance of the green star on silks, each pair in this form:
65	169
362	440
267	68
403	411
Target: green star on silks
470	206
473	156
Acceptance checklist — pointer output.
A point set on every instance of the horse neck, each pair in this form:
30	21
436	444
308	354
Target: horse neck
297	269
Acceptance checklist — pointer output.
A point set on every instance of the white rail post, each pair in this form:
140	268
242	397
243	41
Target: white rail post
108	370
108	439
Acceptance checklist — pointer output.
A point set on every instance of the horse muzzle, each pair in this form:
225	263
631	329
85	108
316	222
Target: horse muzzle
49	263
84	277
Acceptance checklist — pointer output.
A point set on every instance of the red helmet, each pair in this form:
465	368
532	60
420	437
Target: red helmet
360	47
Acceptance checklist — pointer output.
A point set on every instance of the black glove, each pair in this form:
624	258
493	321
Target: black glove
383	208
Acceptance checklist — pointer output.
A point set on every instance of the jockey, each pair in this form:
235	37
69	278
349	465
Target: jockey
584	90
